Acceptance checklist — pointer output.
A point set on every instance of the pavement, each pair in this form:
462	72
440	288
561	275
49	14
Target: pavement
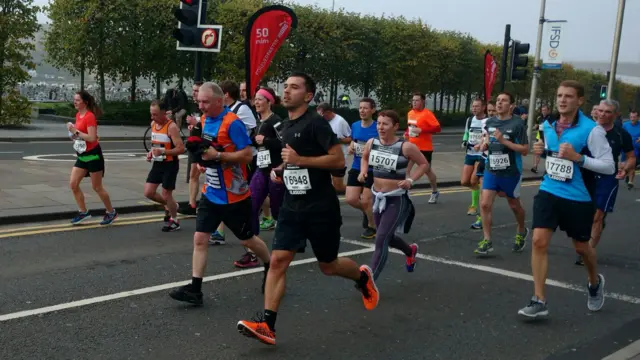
53	128
92	292
35	178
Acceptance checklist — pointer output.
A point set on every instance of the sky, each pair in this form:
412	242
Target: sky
589	31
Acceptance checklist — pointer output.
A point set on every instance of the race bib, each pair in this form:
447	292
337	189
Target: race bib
212	178
413	131
296	180
264	158
475	137
158	158
80	146
559	169
499	161
383	160
358	148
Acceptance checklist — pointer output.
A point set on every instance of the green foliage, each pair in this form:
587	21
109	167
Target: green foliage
18	25
16	109
385	57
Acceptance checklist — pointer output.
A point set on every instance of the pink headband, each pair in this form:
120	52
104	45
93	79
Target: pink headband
267	95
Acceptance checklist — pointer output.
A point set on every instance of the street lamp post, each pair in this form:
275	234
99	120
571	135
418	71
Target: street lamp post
616	48
536	74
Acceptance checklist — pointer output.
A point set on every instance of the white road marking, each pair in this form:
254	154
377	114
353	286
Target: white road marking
147	290
11	152
503	272
626	353
108	156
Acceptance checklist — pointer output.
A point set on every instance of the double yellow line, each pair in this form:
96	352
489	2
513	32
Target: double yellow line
157	217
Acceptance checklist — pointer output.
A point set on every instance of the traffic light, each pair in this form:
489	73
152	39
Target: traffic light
187	16
192	34
603	92
519	61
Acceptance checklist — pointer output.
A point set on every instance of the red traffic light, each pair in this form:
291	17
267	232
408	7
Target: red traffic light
190	2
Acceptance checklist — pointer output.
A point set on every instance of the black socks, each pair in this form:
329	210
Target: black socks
196	283
270	319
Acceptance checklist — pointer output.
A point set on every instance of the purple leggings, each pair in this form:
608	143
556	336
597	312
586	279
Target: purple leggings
261	186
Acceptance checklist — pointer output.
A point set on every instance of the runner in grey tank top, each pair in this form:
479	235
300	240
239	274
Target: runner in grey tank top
393	211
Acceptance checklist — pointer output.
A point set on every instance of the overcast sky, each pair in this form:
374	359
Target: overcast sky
589	31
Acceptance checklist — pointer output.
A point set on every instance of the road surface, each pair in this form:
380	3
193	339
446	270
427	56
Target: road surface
111	284
18	150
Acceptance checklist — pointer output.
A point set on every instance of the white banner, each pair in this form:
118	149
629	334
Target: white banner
552	44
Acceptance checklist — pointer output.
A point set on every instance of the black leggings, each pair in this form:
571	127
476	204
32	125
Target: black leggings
396	214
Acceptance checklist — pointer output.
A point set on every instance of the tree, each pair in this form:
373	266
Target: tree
65	42
18	25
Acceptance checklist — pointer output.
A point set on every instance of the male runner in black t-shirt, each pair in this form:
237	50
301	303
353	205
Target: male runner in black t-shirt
310	209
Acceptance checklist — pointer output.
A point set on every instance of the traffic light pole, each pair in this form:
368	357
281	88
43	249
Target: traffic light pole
197	72
616	48
505	53
536	75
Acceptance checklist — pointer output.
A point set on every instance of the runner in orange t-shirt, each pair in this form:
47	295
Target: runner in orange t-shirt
422	124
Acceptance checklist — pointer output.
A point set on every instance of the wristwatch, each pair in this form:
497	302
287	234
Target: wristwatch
77	132
218	156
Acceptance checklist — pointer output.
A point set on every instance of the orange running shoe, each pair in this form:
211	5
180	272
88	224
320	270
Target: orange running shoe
370	293
257	329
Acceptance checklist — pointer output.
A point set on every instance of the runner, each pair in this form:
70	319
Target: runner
225	195
90	162
341	128
472	137
269	144
393	210
358	194
633	128
193	120
422	125
480	165
245	113
564	200
606	189
166	145
506	141
310	210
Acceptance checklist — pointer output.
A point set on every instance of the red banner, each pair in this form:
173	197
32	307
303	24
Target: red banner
490	73
266	32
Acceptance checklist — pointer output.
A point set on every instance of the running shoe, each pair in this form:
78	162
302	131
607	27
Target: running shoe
81	217
257	329
247	260
370	293
186	293
484	247
411	260
109	218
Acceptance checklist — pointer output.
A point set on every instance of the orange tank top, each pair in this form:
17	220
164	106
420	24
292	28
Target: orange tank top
160	139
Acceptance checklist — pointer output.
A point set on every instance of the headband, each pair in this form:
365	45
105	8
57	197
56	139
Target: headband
266	95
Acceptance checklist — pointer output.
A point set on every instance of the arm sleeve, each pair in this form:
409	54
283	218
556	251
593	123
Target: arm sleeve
429	124
246	115
238	135
602	160
324	136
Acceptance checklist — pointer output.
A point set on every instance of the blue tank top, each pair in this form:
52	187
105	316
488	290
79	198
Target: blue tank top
360	136
564	178
388	161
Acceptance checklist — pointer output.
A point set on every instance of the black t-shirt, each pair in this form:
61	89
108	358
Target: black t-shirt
620	142
272	140
309	189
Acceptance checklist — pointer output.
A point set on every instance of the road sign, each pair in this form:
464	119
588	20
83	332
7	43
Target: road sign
192	34
209	38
